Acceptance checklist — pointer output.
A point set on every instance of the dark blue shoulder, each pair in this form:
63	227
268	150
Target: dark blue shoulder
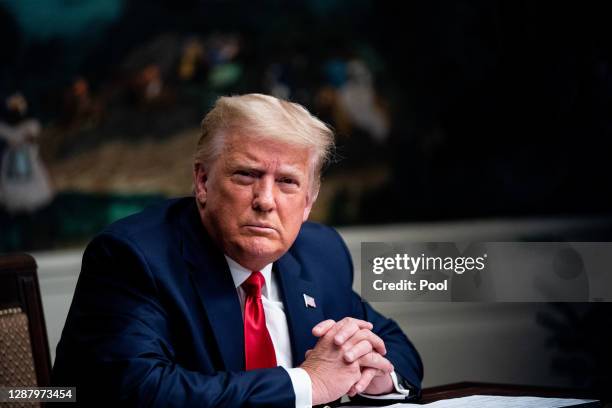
153	224
313	233
324	249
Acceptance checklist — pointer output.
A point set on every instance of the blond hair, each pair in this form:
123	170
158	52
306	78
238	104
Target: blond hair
265	117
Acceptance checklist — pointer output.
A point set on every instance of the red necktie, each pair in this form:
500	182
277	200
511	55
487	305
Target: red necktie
258	347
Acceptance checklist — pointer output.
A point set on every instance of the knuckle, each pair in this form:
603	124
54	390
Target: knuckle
330	333
366	376
364	347
353	367
364	333
377	340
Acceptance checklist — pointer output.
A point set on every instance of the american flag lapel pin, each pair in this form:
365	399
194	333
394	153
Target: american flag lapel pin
309	301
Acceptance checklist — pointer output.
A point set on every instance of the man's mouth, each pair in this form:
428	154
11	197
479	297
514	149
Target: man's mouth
260	227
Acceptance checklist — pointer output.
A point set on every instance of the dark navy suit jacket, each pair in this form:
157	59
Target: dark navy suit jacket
155	319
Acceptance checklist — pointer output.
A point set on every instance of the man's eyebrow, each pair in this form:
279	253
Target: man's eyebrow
243	162
284	170
291	171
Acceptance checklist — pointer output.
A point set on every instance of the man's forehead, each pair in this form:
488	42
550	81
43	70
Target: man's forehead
255	150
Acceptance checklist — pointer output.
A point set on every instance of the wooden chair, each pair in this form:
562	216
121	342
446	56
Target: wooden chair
24	349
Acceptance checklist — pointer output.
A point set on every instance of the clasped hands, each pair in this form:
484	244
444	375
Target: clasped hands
347	359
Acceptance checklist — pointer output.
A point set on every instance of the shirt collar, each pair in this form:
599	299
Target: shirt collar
241	274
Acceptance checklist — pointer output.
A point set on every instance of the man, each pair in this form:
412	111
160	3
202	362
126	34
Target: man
231	298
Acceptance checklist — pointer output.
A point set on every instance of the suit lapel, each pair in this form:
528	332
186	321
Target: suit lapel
300	318
213	282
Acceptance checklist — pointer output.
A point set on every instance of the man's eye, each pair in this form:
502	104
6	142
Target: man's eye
247	173
287	180
243	176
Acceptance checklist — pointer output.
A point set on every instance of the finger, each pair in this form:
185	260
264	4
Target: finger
357	351
366	378
377	343
348	327
308	352
364	334
352	391
322	327
336	327
376	361
346	331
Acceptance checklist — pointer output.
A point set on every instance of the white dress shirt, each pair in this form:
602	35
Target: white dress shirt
276	323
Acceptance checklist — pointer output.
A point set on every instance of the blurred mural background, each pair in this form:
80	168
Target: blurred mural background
448	114
442	109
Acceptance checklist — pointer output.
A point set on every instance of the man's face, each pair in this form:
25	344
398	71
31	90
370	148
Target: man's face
254	198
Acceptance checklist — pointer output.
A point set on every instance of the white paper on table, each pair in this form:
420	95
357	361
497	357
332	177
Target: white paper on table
493	401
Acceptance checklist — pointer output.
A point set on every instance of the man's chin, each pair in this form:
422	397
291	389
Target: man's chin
261	250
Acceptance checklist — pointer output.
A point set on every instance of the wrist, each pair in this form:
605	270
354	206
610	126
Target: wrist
317	386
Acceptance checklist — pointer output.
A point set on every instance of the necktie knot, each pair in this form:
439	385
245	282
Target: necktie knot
252	286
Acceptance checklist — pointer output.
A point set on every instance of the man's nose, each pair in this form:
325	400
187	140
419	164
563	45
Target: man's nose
263	195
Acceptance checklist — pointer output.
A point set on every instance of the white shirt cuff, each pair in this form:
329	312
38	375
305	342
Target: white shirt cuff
400	392
302	387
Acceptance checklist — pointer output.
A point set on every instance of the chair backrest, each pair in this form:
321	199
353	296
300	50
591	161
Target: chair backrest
24	349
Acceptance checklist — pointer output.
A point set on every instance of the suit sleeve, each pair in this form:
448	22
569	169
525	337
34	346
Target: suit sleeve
116	345
400	350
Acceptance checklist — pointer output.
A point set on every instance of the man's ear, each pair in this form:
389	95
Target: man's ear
200	177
